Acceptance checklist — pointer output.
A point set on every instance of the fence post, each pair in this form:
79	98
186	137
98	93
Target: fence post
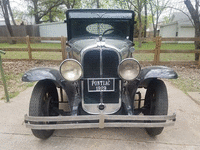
63	46
157	50
199	63
3	77
159	45
29	47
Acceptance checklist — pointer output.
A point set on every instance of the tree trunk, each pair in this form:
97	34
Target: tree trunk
6	17
195	17
145	19
50	16
154	32
197	43
140	23
11	14
35	4
153	23
140	30
98	4
156	26
73	4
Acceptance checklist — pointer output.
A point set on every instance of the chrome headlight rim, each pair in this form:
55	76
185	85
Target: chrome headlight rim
77	63
123	62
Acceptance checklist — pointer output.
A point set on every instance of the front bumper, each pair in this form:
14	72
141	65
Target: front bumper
98	121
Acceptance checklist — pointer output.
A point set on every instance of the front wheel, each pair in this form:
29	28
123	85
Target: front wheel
156	103
43	102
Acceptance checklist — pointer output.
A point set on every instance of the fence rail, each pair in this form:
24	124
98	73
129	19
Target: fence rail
29	49
31	38
157	50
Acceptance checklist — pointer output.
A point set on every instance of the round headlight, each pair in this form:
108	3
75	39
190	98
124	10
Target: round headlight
129	69
71	70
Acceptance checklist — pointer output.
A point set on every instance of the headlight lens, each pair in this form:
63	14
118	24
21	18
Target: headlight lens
129	69
71	70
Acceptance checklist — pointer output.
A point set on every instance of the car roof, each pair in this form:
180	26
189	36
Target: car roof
100	13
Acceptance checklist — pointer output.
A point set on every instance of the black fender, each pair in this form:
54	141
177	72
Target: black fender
149	73
38	74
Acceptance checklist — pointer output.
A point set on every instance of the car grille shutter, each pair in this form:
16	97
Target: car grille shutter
91	66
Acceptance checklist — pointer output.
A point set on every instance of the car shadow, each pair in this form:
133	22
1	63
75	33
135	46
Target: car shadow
121	133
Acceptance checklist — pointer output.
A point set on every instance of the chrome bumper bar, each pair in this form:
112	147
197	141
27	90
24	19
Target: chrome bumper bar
103	121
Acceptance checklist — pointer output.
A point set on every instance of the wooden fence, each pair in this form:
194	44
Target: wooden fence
20	31
29	49
157	51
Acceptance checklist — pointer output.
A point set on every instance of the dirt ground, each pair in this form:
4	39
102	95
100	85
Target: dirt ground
189	76
13	72
18	67
188	80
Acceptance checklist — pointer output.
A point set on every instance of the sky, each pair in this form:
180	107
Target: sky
22	5
17	4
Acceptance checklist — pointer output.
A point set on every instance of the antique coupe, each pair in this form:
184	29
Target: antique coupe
99	83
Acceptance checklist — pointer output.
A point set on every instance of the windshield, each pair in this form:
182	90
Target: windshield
109	28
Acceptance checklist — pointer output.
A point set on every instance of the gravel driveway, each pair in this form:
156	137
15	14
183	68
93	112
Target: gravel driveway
184	135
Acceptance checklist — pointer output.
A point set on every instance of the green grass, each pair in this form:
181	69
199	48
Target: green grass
144	57
140	57
165	57
35	55
7	45
13	79
178	46
170	46
34	45
145	46
13	94
179	56
186	84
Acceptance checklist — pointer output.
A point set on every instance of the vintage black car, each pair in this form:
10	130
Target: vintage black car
99	83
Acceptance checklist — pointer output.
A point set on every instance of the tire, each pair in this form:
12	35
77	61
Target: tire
156	103
43	101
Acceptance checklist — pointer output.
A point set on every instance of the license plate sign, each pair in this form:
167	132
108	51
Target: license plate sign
101	85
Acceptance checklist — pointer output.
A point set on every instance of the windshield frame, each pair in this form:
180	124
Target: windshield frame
117	15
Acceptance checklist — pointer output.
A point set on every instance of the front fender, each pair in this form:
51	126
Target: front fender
149	73
38	74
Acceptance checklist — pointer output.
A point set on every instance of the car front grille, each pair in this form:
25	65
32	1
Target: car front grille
100	64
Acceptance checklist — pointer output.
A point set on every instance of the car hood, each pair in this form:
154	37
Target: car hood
81	44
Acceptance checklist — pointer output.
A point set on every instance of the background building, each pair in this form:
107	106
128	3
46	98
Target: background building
179	26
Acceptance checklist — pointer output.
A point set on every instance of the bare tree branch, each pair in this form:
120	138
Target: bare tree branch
74	2
48	10
136	9
189	17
